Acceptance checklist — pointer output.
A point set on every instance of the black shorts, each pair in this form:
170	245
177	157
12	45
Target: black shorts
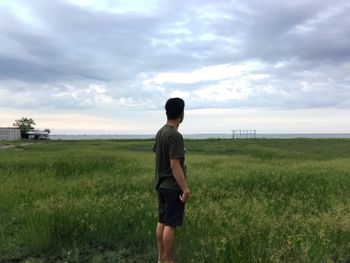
170	207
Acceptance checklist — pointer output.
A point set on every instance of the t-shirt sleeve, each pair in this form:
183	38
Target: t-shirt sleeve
176	147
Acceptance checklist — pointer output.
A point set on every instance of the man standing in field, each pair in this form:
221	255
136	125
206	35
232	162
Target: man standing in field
170	179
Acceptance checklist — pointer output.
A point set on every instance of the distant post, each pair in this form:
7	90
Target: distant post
243	134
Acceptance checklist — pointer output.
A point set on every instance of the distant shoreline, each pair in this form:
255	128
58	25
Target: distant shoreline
200	136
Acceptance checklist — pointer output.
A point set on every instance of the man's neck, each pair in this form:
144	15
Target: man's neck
173	123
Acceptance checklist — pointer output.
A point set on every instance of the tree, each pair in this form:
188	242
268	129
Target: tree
25	124
47	130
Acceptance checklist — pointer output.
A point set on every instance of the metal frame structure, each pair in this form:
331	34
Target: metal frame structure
243	134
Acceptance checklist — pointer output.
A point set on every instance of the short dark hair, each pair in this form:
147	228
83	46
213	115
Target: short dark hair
174	107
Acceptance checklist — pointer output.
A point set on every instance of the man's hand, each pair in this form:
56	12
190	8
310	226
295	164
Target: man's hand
185	196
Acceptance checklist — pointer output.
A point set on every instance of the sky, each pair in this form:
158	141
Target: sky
108	67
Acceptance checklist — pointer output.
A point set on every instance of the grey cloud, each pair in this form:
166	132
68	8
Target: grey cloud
78	40
71	45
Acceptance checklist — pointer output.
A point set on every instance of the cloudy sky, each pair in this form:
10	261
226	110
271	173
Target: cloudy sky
103	66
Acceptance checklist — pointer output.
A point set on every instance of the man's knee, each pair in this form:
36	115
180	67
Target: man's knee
159	230
169	230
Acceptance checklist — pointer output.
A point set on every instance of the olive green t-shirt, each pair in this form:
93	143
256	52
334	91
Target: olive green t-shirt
168	145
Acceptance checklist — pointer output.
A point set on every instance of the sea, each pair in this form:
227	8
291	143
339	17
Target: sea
198	136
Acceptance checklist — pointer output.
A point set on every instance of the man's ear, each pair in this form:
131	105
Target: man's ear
182	115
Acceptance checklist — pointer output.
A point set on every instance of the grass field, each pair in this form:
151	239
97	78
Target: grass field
251	201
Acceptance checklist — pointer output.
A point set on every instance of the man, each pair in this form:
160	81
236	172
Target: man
170	179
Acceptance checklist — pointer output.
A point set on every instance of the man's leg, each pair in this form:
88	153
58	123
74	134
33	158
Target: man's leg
168	243
159	235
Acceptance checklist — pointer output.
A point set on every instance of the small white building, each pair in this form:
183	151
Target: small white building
10	134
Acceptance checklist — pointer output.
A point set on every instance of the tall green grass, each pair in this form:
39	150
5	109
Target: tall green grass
251	201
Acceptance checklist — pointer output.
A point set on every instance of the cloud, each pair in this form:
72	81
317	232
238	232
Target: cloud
100	54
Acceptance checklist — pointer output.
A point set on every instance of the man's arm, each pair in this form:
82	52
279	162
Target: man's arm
180	179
